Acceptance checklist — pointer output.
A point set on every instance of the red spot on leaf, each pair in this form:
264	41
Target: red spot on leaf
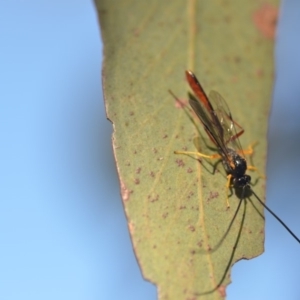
180	162
125	192
192	228
222	291
189	170
165	215
181	103
265	19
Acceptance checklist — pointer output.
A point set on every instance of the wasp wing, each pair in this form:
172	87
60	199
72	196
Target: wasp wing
210	122
230	133
205	112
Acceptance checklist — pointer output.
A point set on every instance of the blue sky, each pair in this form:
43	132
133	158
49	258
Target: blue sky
63	233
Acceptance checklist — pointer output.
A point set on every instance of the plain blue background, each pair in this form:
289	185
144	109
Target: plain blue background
63	233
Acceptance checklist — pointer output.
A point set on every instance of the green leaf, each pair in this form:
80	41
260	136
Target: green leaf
176	207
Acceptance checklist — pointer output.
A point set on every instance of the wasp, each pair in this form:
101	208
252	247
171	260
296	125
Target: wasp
224	133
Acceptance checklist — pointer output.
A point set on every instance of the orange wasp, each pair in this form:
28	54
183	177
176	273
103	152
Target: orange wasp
218	123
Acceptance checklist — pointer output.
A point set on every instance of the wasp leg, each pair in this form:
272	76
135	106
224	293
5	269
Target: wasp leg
229	176
214	156
252	168
249	151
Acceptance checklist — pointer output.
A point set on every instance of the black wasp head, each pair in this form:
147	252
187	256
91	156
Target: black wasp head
242	181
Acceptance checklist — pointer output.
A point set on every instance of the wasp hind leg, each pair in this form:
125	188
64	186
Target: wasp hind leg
199	154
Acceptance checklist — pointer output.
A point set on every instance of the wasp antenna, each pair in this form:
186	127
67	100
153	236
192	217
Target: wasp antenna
176	98
276	217
216	247
173	95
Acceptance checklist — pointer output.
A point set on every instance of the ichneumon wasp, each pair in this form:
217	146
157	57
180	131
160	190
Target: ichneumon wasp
219	125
